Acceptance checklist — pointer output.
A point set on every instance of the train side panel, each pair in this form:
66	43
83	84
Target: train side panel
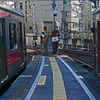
15	47
96	20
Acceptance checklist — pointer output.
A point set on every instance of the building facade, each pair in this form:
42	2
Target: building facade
88	10
72	16
43	12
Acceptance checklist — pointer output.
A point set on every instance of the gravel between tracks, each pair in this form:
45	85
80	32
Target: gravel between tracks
86	59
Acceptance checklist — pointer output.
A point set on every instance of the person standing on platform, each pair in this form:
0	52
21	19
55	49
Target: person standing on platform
45	37
55	38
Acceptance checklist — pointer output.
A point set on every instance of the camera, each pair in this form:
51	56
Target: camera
55	13
42	32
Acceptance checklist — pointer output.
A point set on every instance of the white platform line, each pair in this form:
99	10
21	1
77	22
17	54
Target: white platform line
25	76
36	81
87	91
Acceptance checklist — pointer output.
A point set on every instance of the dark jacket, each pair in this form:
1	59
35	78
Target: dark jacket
54	33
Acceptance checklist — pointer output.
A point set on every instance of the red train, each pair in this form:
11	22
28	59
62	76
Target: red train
12	43
96	25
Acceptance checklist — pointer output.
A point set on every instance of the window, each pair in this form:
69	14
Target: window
66	13
21	6
30	7
75	24
25	2
78	16
26	7
80	8
64	2
30	28
13	37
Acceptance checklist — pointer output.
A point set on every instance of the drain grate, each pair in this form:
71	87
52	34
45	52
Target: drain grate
19	88
14	95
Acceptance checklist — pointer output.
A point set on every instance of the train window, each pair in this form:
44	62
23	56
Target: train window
13	37
21	6
25	2
30	28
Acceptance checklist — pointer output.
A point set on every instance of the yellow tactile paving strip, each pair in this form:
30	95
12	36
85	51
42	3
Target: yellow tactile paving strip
46	65
42	80
58	85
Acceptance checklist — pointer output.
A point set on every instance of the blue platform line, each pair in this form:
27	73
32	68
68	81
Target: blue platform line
93	78
15	84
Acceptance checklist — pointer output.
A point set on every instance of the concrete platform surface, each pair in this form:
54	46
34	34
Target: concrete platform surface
54	78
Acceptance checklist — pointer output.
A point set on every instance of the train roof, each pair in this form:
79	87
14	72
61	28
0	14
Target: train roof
7	8
97	10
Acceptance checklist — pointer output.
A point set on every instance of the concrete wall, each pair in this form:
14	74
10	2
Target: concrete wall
44	11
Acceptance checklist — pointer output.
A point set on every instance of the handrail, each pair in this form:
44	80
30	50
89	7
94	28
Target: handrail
3	80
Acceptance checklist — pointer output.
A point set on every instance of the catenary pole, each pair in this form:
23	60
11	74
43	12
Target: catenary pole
53	6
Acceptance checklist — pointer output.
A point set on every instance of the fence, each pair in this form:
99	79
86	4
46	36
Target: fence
76	44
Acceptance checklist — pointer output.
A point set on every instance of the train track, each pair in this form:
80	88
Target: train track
82	53
81	62
65	51
77	52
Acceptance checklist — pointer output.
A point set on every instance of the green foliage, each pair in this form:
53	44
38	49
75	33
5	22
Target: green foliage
76	36
87	36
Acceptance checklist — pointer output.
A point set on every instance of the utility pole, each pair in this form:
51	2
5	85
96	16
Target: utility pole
82	27
66	18
81	21
33	18
63	20
54	13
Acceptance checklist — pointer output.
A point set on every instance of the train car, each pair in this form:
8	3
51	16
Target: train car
12	43
96	25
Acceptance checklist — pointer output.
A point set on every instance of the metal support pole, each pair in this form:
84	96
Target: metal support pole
82	27
66	45
87	47
54	21
33	17
53	6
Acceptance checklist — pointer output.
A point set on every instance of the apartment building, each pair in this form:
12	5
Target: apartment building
72	16
43	13
88	10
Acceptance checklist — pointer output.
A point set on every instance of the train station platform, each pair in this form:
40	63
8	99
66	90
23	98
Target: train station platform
54	78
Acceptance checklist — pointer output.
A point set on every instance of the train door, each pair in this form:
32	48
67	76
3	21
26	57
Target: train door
3	53
24	39
98	48
21	43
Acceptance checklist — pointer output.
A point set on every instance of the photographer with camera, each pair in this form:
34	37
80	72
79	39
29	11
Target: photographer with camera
45	37
55	38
